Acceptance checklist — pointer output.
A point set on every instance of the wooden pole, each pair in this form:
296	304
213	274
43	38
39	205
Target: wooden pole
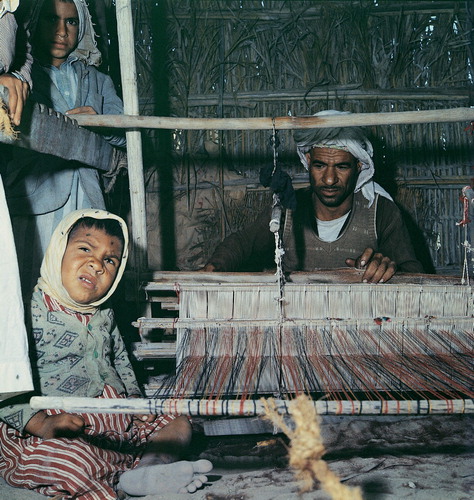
215	407
281	123
134	141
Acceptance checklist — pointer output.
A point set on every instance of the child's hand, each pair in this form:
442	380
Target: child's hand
140	420
82	110
54	426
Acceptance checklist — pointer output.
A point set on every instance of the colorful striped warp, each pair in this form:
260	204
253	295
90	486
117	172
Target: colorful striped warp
373	342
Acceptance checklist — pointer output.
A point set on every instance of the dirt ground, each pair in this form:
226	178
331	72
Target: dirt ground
421	458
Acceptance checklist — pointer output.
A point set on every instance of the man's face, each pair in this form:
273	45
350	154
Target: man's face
57	32
90	264
333	175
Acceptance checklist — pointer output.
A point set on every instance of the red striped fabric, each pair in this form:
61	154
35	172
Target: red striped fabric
86	467
53	305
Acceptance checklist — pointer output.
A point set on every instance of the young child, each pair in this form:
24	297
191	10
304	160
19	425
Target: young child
78	351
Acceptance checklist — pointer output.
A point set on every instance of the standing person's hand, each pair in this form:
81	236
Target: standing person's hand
18	91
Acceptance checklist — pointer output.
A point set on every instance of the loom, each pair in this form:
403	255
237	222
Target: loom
404	347
396	348
350	344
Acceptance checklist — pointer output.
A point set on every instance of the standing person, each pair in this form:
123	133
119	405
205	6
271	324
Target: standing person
343	219
14	361
41	189
15	60
79	352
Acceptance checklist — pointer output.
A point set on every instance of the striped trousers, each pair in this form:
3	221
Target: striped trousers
86	467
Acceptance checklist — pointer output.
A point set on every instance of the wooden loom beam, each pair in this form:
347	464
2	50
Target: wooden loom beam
460	114
206	407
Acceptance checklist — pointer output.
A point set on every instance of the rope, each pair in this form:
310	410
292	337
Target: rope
467	198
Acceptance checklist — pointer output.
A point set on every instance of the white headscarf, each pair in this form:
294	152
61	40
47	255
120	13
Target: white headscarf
86	49
50	280
8	6
350	139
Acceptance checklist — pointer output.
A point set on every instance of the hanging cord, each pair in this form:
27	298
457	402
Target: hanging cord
283	198
275	228
465	266
279	252
276	206
467	199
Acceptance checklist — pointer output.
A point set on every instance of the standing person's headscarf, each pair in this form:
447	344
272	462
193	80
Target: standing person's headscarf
350	139
86	49
50	280
8	6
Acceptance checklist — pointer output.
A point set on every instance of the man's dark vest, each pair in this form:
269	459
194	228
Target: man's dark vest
305	251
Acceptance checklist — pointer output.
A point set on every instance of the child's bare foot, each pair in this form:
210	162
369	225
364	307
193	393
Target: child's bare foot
178	477
168	444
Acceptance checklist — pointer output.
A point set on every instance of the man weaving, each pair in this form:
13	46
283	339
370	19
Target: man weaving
343	219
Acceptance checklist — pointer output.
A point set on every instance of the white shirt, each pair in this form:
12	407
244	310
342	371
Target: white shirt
329	230
15	367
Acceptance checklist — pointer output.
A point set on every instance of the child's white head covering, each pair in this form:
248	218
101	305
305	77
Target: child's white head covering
350	139
50	280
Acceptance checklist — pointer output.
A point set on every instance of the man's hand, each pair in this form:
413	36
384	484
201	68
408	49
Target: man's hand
17	94
54	426
82	110
378	269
